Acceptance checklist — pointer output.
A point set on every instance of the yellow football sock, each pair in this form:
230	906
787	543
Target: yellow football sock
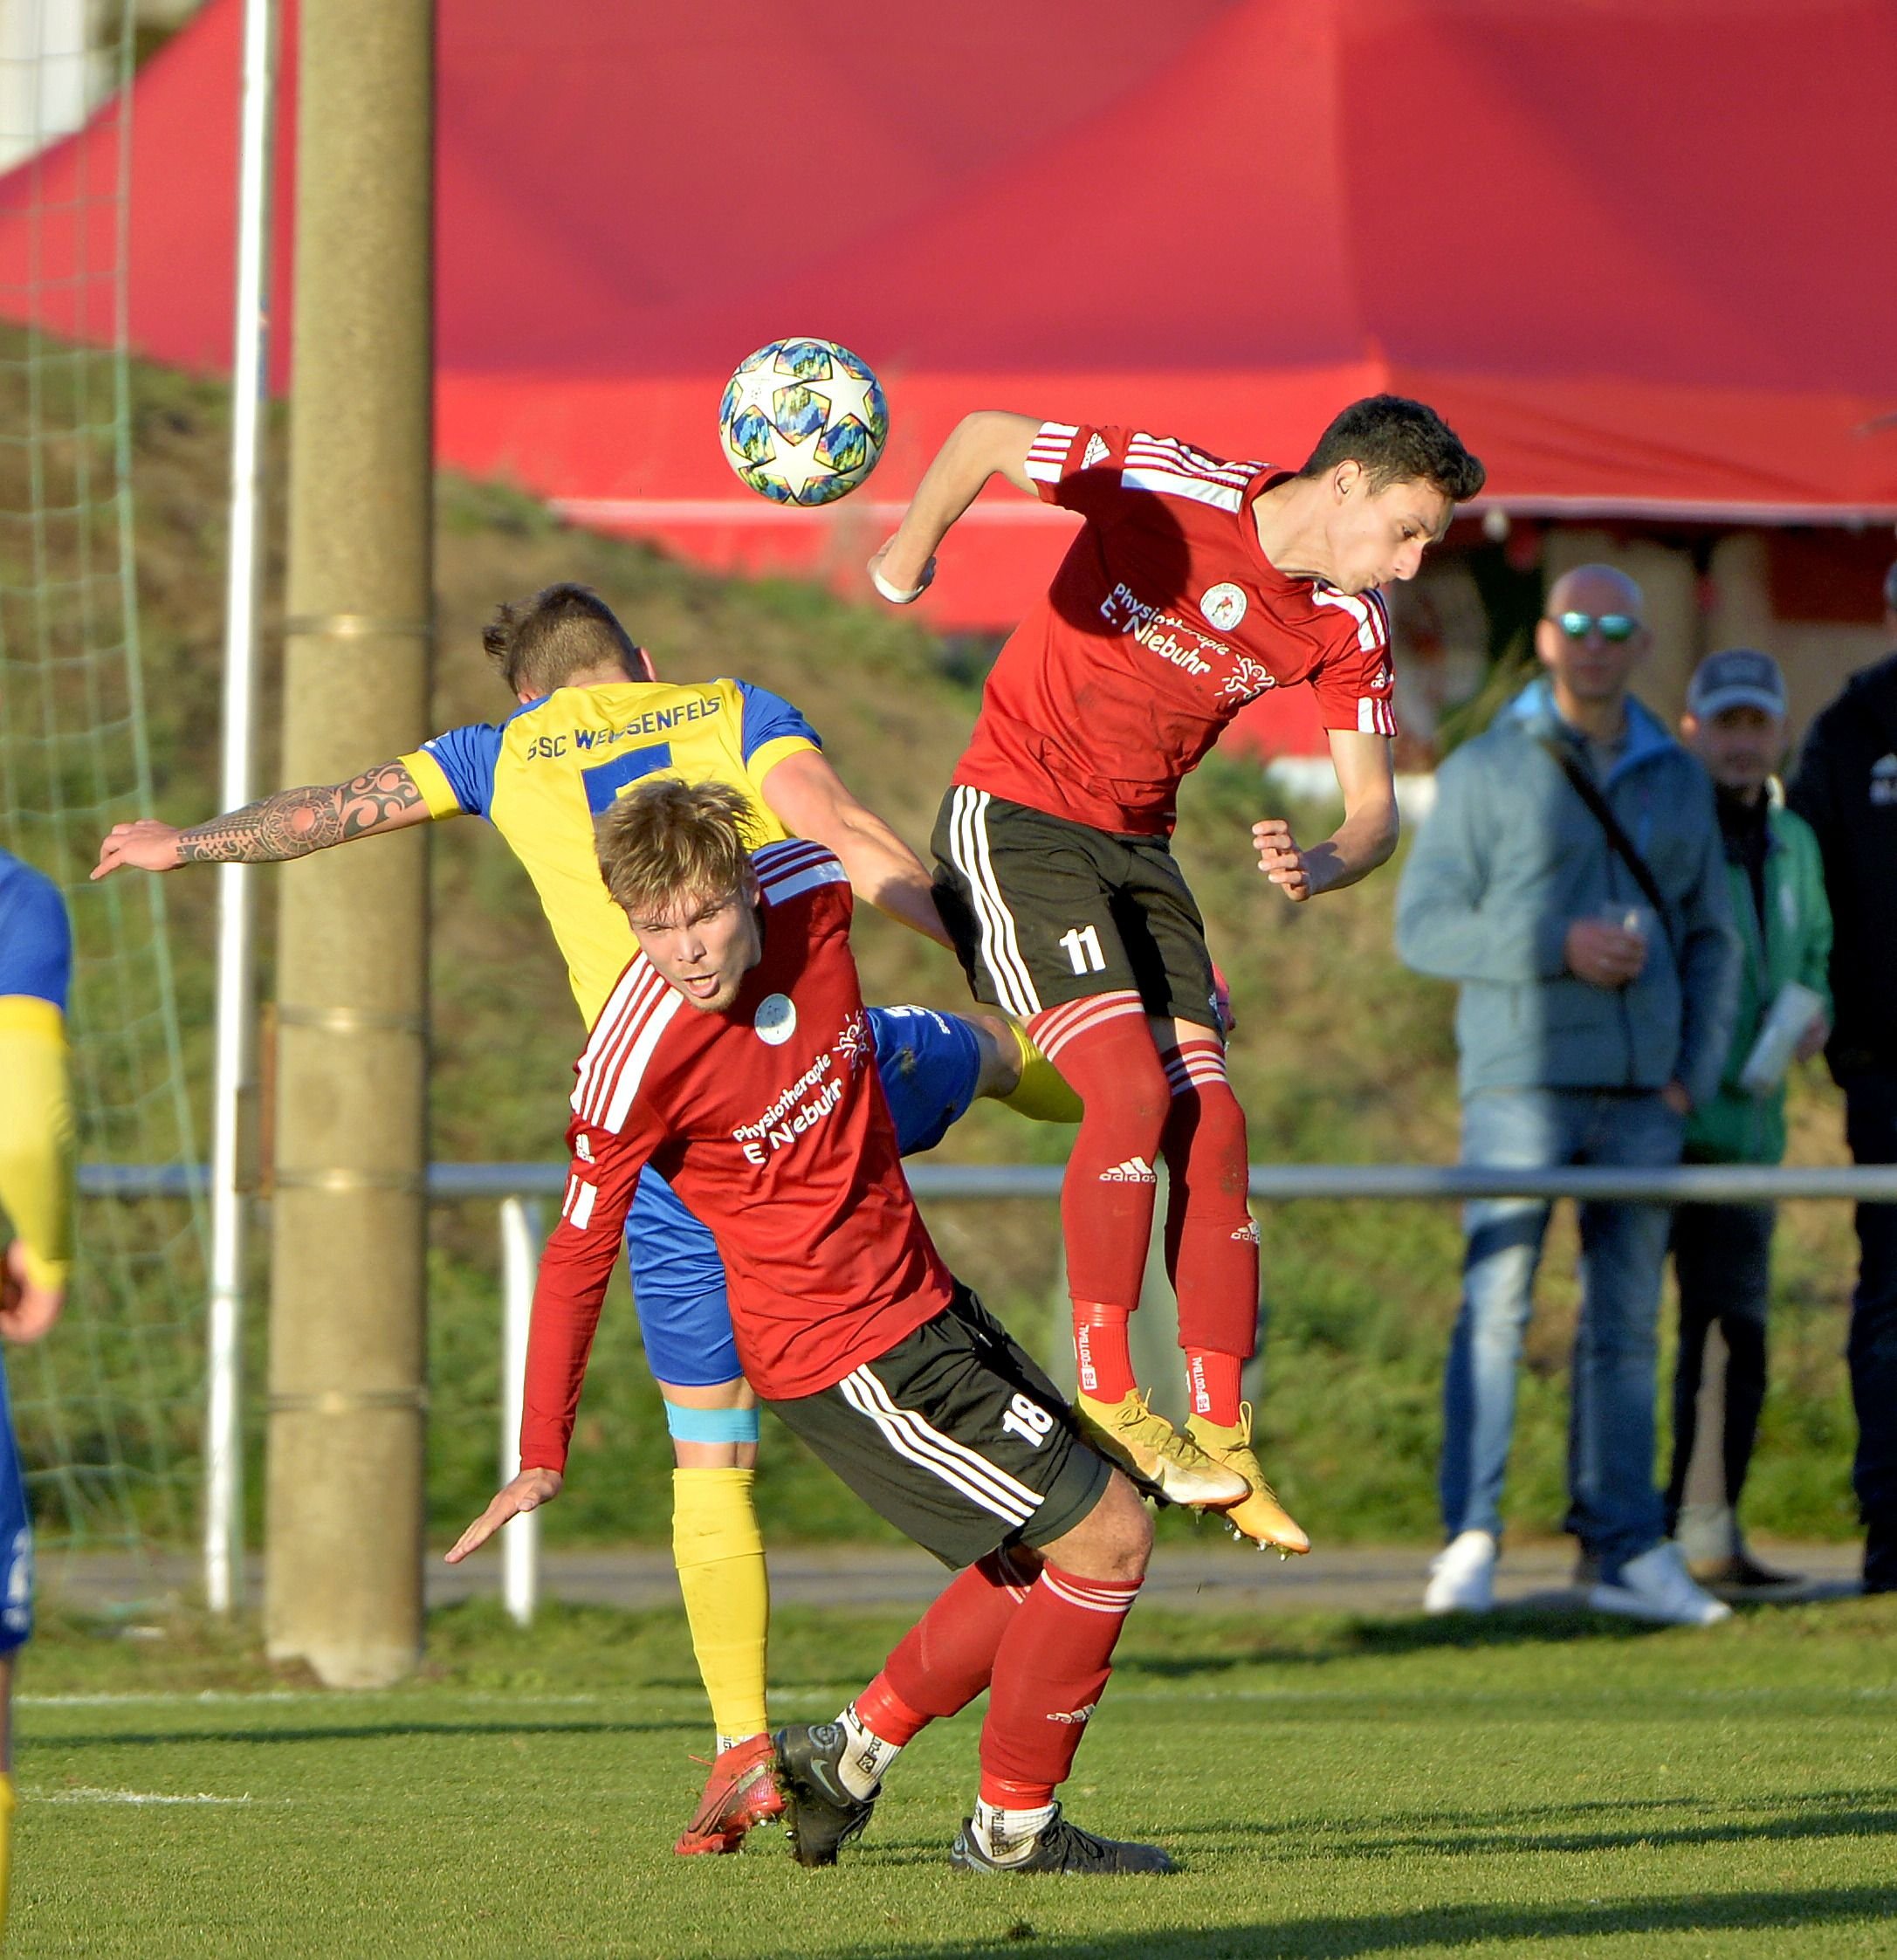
7	1802
719	1553
1042	1095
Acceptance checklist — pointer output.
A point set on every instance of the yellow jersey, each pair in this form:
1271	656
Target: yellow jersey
542	777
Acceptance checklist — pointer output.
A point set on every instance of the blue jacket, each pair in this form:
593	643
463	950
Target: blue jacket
1511	857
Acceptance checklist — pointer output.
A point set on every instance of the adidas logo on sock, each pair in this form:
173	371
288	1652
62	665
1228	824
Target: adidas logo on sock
1074	1717
1135	1170
1247	1233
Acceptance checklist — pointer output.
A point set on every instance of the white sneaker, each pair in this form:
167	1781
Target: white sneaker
1657	1586
1462	1575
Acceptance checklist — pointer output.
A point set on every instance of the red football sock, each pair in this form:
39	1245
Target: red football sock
1214	1381
947	1658
1101	1045
1102	1362
1053	1665
885	1714
1212	1244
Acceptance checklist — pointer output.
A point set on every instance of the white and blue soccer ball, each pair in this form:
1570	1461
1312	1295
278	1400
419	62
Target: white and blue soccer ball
803	422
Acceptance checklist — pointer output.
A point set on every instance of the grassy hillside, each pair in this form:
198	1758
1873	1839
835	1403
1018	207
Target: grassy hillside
1341	1053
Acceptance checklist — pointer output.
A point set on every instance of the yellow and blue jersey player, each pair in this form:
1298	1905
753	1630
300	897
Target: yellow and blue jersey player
593	719
36	1194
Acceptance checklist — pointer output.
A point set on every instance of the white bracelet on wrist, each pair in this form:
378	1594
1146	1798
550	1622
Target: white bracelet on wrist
895	594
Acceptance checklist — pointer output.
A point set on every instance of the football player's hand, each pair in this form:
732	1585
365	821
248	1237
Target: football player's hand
1279	859
1221	1001
527	1492
146	845
900	584
26	1310
1814	1038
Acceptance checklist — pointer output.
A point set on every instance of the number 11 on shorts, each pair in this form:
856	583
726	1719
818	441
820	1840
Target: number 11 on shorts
1082	945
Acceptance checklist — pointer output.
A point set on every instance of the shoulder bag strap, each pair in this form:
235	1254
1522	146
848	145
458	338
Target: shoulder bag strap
1624	846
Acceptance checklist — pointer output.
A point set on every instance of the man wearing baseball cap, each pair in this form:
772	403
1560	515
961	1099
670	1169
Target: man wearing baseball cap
1846	787
1735	724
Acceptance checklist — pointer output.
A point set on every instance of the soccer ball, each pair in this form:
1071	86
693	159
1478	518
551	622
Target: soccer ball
802	421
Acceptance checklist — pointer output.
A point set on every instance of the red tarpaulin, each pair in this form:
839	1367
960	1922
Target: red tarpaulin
1639	255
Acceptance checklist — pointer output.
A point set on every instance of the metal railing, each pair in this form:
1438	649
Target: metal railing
516	1188
1710	1183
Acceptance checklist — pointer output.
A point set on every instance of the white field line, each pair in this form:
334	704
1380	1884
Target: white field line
192	1697
85	1796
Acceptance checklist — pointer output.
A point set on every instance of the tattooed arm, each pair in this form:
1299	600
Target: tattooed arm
291	823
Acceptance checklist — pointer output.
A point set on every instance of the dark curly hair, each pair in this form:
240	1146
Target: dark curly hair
1398	441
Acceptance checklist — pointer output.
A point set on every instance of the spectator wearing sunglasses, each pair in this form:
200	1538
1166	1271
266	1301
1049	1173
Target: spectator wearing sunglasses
1573	881
1845	788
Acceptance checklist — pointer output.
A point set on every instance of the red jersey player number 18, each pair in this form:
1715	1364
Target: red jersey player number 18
733	1054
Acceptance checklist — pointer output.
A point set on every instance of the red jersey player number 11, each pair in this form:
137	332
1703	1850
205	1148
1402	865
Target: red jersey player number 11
1197	584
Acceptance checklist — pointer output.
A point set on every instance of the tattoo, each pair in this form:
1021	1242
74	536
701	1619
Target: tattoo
294	823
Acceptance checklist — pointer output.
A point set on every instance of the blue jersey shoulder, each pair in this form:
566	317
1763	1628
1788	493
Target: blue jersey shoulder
467	757
36	935
769	717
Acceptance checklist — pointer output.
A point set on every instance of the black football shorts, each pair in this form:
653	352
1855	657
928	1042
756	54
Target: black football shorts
1044	911
956	1438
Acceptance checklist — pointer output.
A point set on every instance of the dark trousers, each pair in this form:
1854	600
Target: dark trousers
1871	1129
1722	1261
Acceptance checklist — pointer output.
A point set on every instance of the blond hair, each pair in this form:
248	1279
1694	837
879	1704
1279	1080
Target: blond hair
668	840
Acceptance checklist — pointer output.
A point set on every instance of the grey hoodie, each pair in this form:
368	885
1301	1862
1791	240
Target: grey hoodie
1511	857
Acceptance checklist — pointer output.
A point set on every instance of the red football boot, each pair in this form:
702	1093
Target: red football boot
740	1792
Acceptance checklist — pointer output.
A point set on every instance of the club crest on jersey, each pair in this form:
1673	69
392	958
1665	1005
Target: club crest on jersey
1223	606
775	1021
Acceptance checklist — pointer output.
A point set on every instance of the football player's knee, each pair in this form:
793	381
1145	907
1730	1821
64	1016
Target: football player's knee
1113	1541
712	1439
1140	1100
1216	1143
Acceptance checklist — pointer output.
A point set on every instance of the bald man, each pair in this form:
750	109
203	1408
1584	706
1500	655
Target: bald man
1571	879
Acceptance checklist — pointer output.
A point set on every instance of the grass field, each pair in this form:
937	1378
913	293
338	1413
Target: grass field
1333	1786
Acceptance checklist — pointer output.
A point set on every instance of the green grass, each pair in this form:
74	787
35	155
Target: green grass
1331	1786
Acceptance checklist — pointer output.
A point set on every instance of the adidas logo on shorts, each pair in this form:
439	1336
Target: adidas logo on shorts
1135	1170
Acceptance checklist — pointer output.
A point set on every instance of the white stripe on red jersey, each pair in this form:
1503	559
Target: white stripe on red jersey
613	1033
1047	454
1167	452
1379	607
1371	632
625	1085
824	870
1201	490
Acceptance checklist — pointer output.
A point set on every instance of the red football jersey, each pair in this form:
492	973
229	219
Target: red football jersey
770	1121
1165	619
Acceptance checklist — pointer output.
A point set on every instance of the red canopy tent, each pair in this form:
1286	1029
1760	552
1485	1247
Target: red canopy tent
1638	255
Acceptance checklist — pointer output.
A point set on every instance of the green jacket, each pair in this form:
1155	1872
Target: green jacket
1735	1128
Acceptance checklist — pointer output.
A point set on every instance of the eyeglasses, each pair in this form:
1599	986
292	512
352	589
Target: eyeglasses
1614	626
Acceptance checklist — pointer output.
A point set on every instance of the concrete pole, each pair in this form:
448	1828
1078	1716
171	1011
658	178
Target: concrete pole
347	1360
